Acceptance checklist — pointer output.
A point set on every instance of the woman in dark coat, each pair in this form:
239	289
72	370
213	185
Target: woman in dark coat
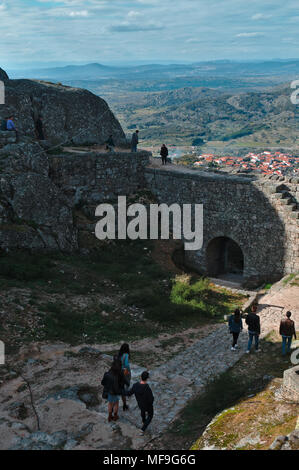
164	154
114	382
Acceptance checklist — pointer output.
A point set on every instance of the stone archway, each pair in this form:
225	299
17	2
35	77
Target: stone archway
224	258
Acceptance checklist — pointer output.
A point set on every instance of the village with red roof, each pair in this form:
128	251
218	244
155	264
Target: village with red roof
269	163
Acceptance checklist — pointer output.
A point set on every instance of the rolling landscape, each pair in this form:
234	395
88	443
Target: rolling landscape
222	106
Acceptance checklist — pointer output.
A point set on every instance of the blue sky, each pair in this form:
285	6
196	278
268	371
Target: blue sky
40	32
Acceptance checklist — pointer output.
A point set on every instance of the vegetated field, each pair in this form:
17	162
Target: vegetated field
253	119
118	292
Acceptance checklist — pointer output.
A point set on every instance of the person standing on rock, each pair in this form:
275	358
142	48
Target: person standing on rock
110	145
124	356
164	154
235	327
114	382
145	399
10	126
287	330
254	329
135	141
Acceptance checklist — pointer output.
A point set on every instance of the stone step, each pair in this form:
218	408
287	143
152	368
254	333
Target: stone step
292	207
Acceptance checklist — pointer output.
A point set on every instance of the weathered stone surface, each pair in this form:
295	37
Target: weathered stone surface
97	177
291	384
69	114
238	208
3	75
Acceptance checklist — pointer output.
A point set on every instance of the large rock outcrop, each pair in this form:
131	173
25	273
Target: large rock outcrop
34	213
69	114
3	75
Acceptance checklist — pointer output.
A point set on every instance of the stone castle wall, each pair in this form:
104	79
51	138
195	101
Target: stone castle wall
260	214
253	213
93	178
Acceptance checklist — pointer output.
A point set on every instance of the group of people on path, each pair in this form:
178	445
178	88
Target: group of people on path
110	146
287	330
116	383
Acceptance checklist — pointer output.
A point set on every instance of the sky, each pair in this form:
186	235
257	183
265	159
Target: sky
59	32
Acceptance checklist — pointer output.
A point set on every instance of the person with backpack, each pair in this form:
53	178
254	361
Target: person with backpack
235	327
145	400
287	330
254	329
113	382
134	141
124	356
3	126
164	154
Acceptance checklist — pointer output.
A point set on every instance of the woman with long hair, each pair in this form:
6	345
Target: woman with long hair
235	327
124	356
114	382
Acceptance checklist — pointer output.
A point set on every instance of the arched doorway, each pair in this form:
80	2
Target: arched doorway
224	258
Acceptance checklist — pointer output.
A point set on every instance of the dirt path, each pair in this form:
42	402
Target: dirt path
65	385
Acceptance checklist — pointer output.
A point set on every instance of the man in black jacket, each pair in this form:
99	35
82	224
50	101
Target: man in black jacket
164	154
145	399
287	330
254	329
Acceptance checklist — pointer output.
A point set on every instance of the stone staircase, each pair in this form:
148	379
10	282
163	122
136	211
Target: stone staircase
283	193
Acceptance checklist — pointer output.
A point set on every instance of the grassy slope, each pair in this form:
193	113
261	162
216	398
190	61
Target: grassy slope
118	292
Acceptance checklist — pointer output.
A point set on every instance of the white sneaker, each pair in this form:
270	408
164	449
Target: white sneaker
258	350
247	352
236	346
232	349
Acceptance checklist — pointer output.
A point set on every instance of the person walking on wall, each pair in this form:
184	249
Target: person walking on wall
164	154
235	327
145	399
124	357
135	141
287	330
114	382
254	329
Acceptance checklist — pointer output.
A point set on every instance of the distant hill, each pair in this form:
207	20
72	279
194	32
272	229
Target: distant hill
96	71
251	119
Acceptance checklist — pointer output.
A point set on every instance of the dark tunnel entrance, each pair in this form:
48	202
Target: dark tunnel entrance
225	258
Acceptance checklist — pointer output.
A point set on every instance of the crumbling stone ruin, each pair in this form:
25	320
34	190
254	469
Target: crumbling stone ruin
251	225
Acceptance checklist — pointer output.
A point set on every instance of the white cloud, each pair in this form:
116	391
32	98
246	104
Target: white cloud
261	16
249	35
82	13
134	14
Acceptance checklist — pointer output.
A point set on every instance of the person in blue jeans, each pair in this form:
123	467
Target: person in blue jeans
124	356
254	329
287	330
235	327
